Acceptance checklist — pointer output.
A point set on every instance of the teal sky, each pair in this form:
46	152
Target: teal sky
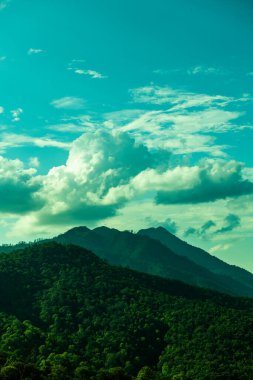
128	114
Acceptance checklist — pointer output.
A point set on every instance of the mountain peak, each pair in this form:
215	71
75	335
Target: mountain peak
80	229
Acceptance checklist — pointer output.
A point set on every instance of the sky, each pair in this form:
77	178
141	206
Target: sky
130	115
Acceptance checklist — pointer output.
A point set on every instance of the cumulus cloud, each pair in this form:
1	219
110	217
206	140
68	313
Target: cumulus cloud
106	170
208	181
69	102
211	180
97	162
18	188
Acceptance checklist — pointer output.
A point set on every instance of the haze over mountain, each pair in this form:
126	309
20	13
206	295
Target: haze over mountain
66	314
197	255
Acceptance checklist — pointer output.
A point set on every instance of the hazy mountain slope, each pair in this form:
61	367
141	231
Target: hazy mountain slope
150	256
199	256
66	314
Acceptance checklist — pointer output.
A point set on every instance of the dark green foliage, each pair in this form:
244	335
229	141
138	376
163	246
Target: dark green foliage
66	314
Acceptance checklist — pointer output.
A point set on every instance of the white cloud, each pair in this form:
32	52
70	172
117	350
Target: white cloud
203	70
177	99
91	73
98	161
11	140
69	102
109	175
33	51
1	109
185	122
34	162
208	181
67	127
2	58
16	114
219	247
18	188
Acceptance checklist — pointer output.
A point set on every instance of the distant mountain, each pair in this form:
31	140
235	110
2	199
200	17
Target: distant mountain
156	251
198	255
66	314
145	254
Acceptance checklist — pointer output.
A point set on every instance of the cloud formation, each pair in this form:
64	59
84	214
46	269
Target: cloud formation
90	73
11	140
202	231
69	102
16	114
33	51
204	70
232	221
208	182
97	162
106	170
167	223
18	188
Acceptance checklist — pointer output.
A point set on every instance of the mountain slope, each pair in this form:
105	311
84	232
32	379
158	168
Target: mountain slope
66	314
198	255
148	255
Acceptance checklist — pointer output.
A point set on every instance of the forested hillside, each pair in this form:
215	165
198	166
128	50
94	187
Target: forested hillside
67	314
157	252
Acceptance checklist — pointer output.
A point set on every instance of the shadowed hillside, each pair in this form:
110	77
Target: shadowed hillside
66	314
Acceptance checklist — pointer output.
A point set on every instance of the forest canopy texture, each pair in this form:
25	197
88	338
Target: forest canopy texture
67	314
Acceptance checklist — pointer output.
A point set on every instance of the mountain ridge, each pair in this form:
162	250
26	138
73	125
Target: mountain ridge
144	252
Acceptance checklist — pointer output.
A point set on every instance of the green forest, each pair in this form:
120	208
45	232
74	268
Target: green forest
67	314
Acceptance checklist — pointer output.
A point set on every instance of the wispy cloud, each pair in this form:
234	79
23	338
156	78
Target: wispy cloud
175	98
220	247
33	51
11	140
90	73
1	109
203	70
183	121
69	102
2	58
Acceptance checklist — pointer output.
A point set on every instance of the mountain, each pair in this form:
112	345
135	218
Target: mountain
67	314
198	255
145	254
158	252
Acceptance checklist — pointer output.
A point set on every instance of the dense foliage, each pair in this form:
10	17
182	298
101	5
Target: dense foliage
66	314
